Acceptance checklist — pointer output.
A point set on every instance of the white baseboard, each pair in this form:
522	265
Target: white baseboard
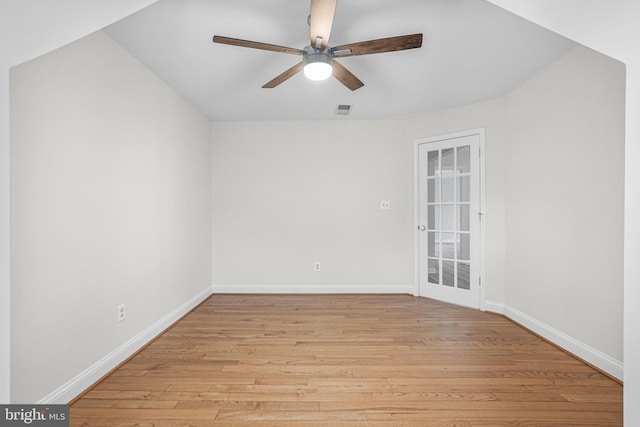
313	289
607	364
72	388
494	307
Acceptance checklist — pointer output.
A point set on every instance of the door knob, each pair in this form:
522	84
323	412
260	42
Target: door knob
422	227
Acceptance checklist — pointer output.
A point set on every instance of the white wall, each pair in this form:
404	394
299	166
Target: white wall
565	198
110	202
5	281
288	194
29	29
632	245
612	29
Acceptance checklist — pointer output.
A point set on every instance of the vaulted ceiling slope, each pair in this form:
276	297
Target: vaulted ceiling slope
472	51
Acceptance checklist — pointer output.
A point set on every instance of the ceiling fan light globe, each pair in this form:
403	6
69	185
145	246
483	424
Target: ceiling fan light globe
318	71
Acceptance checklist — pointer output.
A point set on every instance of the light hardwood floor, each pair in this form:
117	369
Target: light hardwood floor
348	360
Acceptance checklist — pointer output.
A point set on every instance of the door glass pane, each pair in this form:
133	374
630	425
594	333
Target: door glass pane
464	219
432	163
464	162
448	189
448	245
433	190
448	161
433	246
464	276
434	271
448	219
464	246
433	217
464	187
448	273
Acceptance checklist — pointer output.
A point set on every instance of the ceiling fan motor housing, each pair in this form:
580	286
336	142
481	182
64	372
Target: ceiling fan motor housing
318	63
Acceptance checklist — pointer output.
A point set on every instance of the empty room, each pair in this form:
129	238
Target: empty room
320	212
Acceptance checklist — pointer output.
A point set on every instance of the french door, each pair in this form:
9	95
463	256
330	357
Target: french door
449	218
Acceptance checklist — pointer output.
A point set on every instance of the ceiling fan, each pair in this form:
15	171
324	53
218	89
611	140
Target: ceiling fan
318	59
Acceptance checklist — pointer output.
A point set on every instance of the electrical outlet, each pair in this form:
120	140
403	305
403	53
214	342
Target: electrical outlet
385	204
316	266
122	312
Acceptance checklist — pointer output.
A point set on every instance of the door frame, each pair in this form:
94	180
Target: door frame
416	206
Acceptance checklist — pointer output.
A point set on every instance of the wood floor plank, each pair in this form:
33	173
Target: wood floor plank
352	361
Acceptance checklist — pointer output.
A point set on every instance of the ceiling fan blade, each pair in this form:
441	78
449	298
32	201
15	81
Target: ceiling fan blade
284	76
322	13
345	76
256	45
389	44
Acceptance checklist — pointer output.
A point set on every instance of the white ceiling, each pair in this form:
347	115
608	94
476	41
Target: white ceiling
472	51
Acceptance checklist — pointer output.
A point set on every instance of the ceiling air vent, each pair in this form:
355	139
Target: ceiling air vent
343	110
